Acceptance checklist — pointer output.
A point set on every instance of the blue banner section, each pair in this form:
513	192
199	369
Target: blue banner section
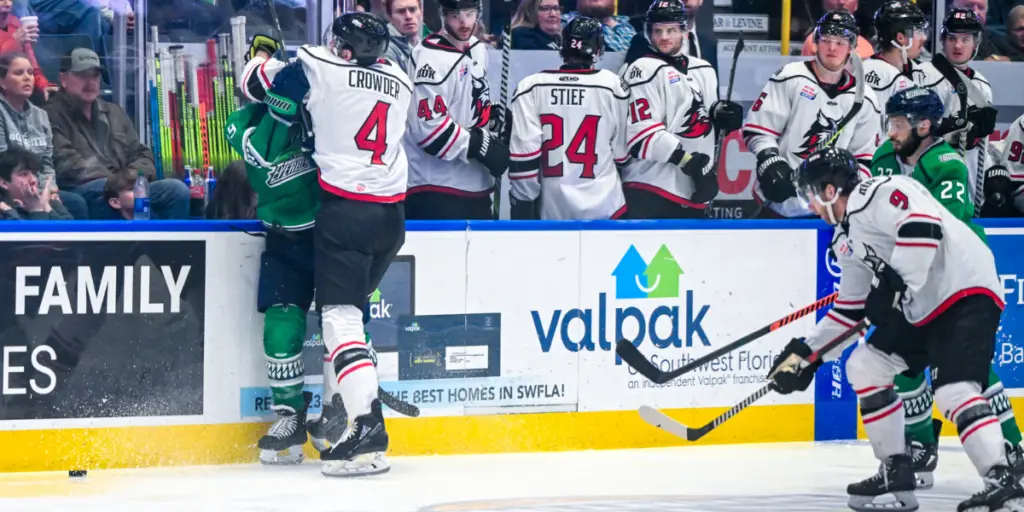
1009	350
835	404
256	402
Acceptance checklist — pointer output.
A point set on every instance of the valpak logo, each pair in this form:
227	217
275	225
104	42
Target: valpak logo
649	304
380	308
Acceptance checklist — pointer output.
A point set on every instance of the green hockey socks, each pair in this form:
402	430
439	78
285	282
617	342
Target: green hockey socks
284	328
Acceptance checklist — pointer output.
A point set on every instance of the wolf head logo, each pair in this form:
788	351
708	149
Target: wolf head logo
820	131
481	101
696	122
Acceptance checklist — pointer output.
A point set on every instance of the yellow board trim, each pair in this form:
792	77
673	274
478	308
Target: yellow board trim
131	447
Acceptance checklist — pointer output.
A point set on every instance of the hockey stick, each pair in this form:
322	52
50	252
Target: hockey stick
634	358
661	420
506	58
720	135
858	99
966	92
403	408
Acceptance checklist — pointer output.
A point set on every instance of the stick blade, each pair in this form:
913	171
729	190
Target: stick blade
636	360
658	419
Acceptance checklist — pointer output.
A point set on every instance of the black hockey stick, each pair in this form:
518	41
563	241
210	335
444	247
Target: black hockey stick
720	135
634	358
858	99
403	408
966	92
506	61
661	420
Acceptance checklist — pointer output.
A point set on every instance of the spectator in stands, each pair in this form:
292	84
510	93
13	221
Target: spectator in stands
94	139
17	37
65	17
22	196
1014	47
406	29
234	198
119	193
537	25
617	31
864	47
27	126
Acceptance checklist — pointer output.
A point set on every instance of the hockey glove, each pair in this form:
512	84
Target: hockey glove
521	209
504	131
884	299
487	149
789	378
288	92
983	123
727	116
263	43
701	170
774	176
948	125
998	192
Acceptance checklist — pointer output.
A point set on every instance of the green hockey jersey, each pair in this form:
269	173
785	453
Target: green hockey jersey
941	169
282	175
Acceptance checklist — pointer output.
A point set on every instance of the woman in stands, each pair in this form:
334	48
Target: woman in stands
27	126
537	25
18	37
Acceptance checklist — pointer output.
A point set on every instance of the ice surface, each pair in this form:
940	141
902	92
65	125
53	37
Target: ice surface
773	477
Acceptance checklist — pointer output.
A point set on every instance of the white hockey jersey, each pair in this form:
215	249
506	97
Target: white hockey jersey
359	117
886	80
450	97
895	220
933	79
568	134
1011	155
795	114
668	108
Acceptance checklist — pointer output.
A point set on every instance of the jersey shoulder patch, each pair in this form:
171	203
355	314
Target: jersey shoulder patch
643	70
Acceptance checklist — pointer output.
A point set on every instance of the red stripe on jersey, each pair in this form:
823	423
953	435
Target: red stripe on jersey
873	417
918	216
953	415
641	134
619	213
366	198
525	155
522	176
965	435
336	351
458	131
841	321
647	143
367	364
665	194
850	303
917	244
952	299
263	75
762	128
434	133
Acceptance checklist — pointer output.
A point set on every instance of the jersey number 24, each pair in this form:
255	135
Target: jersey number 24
582	148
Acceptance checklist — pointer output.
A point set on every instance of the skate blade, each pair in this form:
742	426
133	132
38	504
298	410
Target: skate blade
290	456
321	444
925	480
363	465
899	501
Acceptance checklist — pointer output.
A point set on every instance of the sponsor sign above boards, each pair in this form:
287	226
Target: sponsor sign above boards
98	329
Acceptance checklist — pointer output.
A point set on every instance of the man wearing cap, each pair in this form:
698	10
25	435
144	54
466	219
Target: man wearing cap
94	139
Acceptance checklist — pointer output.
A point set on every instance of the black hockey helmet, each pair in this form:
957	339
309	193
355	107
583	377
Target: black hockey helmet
916	104
582	38
364	34
898	17
665	11
458	5
961	21
837	23
827	166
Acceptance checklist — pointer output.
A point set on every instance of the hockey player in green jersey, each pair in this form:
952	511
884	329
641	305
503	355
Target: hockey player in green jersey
912	148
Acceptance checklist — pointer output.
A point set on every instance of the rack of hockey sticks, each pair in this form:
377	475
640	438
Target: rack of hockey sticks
635	359
661	420
189	102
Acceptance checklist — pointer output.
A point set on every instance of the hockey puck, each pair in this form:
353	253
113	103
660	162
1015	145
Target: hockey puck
76	473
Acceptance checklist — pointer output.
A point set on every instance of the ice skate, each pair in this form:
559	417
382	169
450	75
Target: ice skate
330	425
282	444
1015	459
361	450
925	457
1002	493
895	477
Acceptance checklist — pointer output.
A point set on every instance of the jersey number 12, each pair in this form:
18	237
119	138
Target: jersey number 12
376	125
582	148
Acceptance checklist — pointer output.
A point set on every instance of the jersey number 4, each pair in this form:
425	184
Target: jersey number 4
376	125
582	148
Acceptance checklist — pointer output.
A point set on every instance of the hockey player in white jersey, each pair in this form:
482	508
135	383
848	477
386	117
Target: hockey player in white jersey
670	127
908	265
358	102
800	110
453	157
902	31
568	135
961	36
1004	180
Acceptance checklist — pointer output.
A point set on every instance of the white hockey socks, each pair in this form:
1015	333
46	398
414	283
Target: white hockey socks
881	410
980	433
352	369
